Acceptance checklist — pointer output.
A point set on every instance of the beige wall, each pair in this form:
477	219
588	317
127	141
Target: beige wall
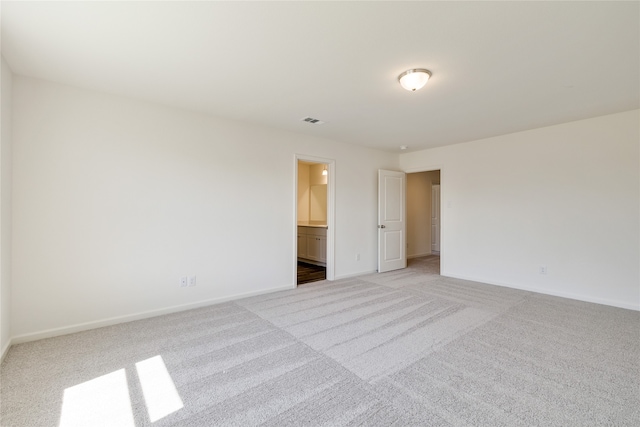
315	174
566	197
311	175
419	212
303	192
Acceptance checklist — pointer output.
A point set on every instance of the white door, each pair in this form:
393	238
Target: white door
435	218
392	253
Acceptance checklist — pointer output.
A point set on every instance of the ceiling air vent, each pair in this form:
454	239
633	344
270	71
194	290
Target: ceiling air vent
312	121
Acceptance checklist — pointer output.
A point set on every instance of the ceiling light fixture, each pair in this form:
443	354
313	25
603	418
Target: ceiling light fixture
414	78
324	171
403	147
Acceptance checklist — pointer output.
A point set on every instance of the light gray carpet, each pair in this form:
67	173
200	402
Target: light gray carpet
405	348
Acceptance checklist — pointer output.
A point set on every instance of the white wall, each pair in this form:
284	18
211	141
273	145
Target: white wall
5	208
115	199
566	197
419	212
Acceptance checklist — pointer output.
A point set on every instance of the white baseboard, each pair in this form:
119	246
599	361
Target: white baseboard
348	276
5	350
578	297
137	316
183	307
418	255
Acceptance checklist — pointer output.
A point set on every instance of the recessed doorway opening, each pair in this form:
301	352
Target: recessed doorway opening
314	219
423	220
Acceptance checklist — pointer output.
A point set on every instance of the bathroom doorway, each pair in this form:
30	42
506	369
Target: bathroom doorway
314	217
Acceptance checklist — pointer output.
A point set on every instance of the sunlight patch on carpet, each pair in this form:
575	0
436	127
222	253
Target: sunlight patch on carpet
159	391
102	401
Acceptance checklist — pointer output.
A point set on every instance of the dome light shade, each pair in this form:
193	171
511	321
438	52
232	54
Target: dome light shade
414	79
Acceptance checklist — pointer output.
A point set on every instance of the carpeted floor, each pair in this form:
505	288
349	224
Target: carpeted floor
404	348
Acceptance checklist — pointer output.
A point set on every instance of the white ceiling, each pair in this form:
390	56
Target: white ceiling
498	67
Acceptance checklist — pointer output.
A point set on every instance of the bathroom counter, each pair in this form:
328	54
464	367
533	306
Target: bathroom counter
312	243
307	224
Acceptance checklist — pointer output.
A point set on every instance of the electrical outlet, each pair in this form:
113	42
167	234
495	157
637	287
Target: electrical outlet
183	281
192	280
543	269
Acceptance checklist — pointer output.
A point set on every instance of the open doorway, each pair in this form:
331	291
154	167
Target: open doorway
423	221
313	215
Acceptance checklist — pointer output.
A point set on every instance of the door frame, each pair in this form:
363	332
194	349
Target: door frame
439	217
443	216
331	214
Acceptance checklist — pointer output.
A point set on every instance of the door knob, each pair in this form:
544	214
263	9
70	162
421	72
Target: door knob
382	226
